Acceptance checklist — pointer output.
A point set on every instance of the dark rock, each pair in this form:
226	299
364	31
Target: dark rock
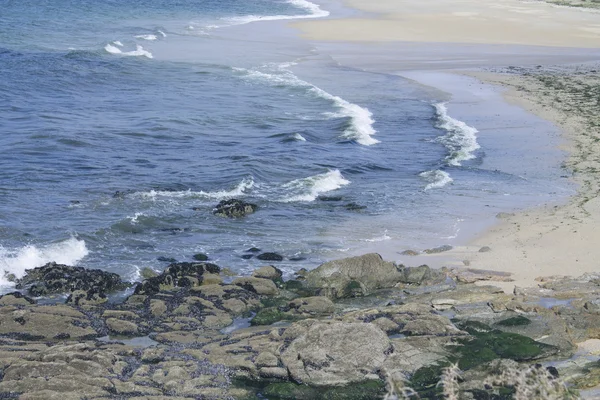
166	259
200	257
270	257
298	258
519	320
485	249
354	207
182	274
253	250
234	208
330	198
57	278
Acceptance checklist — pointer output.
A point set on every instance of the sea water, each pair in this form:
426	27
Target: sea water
122	124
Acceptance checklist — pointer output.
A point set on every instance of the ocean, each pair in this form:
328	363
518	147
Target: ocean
122	124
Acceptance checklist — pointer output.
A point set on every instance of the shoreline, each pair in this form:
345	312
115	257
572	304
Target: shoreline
546	240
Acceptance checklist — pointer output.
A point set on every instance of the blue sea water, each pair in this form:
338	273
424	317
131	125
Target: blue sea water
122	124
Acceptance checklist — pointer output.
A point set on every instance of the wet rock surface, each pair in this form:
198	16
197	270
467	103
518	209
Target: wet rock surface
339	333
234	208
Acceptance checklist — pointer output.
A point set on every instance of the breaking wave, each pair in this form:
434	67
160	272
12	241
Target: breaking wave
16	261
460	139
308	189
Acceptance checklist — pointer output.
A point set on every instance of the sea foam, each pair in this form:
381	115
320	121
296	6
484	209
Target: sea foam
239	190
308	189
360	128
436	179
314	12
460	140
139	51
146	37
16	261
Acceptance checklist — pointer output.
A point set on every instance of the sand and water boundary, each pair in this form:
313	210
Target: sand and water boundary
477	39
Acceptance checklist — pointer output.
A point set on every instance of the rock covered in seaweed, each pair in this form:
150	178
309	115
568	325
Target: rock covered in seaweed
234	208
183	274
54	278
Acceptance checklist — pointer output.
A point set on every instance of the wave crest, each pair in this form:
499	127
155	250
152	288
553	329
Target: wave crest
138	52
308	189
436	178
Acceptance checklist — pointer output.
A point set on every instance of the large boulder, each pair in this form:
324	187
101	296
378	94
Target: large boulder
336	353
55	278
355	276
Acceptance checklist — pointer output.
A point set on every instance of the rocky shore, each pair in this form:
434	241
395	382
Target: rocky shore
355	328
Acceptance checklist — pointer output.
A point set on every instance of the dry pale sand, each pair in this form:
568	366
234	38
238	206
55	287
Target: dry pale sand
461	21
553	240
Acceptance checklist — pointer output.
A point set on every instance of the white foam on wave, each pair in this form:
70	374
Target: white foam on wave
139	51
146	37
241	189
16	261
436	178
135	218
118	43
461	139
298	137
308	189
314	12
162	33
361	122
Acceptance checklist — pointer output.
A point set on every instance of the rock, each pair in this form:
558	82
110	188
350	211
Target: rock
443	304
354	207
270	257
259	286
200	257
273	373
182	274
234	208
268	272
166	259
313	306
471	275
86	298
415	275
485	249
121	327
14	299
320	357
266	359
409	253
55	278
353	276
437	250
37	322
148	273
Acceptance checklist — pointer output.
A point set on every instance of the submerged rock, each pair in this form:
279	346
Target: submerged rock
270	257
234	208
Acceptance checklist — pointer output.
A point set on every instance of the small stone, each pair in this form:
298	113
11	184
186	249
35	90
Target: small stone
253	250
266	359
409	253
439	249
257	285
200	257
485	249
166	259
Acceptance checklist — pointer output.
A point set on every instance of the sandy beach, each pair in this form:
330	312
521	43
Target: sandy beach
553	239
